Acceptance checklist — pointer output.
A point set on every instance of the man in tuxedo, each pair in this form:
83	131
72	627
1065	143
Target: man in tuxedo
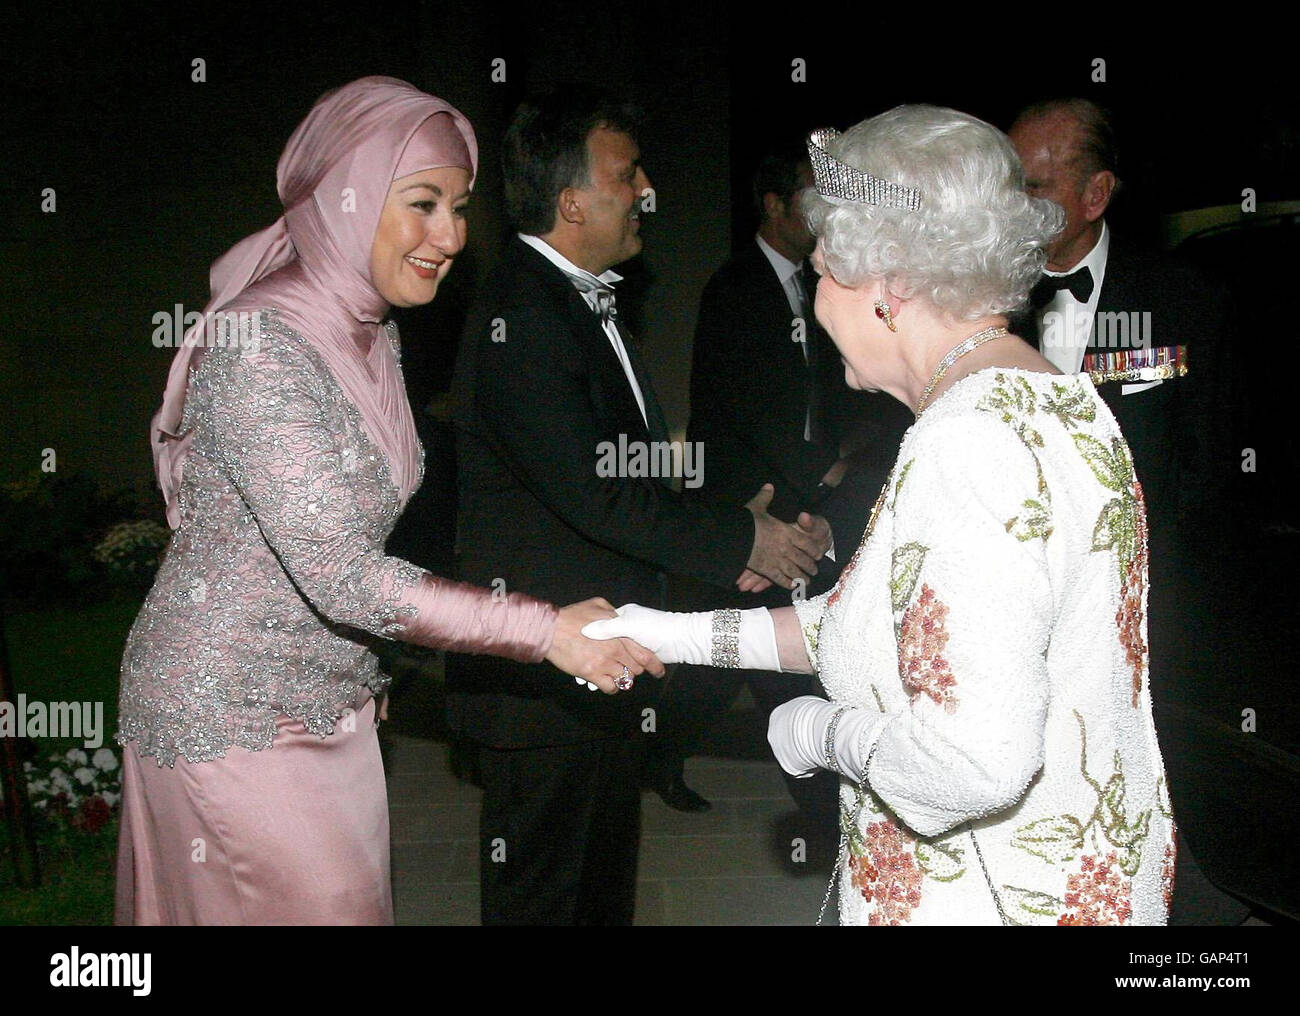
1148	327
1153	334
547	384
768	396
769	404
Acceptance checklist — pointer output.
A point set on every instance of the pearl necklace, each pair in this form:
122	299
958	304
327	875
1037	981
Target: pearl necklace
955	354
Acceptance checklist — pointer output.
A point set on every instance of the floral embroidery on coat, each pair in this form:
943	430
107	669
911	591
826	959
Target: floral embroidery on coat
885	871
1120	527
1097	894
1090	840
1014	403
1057	839
922	639
1132	599
888	864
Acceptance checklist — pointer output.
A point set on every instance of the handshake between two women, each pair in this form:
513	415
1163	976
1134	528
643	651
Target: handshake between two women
784	553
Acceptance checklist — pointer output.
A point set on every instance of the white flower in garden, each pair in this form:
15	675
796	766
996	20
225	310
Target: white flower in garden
73	779
104	760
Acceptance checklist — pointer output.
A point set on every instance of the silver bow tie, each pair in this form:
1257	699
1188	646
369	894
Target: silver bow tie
605	305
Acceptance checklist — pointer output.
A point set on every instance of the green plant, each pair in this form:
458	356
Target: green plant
52	522
133	550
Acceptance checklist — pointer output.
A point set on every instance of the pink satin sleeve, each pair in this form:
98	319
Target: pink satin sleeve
470	619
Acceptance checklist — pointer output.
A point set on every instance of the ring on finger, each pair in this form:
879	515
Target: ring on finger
624	680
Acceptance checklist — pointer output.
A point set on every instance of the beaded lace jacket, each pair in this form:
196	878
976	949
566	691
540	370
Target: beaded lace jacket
993	626
275	584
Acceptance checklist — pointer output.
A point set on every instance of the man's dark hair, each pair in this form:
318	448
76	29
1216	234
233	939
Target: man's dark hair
1097	148
545	149
777	173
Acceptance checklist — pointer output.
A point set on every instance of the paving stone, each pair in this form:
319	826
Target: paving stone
731	865
649	904
453	904
667	857
432	864
659	819
716	779
742	901
410	789
433	822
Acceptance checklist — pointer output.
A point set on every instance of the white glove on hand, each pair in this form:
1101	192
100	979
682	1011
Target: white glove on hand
688	638
797	734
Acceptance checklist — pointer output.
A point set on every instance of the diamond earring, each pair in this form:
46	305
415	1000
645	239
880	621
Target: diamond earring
883	312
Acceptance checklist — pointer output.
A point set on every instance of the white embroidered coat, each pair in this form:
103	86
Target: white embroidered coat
993	621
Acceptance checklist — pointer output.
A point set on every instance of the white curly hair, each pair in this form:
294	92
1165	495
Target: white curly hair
978	242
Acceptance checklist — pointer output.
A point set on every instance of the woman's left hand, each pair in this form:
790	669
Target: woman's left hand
797	733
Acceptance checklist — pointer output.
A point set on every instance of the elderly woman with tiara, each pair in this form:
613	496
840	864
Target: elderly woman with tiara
286	450
984	651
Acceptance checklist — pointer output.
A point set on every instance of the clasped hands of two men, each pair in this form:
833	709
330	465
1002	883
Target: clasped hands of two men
784	553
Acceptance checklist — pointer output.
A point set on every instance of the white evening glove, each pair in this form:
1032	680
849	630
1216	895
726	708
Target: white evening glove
797	733
689	638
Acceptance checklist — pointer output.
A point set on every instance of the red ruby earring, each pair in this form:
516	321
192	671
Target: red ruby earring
883	312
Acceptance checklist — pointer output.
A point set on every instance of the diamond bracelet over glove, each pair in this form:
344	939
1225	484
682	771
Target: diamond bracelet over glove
730	638
726	639
828	747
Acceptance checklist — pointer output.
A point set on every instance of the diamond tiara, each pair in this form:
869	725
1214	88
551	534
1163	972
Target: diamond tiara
835	179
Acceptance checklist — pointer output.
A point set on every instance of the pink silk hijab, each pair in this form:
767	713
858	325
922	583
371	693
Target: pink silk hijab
313	264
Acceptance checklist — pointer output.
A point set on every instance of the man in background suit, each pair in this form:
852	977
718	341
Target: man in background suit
1154	335
769	404
1108	307
768	396
760	361
547	378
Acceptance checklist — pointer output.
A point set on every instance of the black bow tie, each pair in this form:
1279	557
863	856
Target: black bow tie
1078	282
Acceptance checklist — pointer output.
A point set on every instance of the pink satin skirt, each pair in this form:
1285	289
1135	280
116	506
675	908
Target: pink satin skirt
297	834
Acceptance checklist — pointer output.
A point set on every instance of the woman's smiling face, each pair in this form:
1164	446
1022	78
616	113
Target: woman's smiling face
421	229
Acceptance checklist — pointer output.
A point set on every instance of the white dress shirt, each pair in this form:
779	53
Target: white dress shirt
1066	323
611	330
1066	335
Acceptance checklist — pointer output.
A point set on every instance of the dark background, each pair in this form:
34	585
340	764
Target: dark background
157	175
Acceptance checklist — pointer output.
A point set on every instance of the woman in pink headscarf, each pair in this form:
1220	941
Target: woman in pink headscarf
286	451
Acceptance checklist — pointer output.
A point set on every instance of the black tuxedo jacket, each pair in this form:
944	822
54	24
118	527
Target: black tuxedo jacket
1180	430
751	389
538	389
